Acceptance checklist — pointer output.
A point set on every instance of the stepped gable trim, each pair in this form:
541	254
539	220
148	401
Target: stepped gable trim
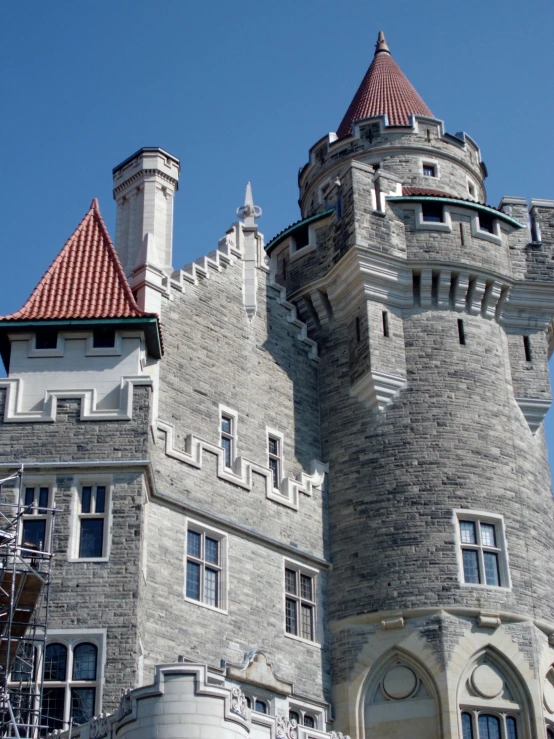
241	474
85	280
297	224
384	90
422	194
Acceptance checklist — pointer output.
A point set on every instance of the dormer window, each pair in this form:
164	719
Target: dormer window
46	338
103	338
432	212
486	222
429	170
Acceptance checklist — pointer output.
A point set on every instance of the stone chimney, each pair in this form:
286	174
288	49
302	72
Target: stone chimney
144	186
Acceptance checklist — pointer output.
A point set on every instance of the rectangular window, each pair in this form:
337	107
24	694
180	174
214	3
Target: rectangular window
46	338
486	222
103	338
299	602
36	519
429	170
204	566
386	324
92	522
432	212
483	550
527	348
228	436
461	332
275	458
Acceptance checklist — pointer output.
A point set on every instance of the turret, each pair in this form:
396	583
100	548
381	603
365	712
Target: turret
431	310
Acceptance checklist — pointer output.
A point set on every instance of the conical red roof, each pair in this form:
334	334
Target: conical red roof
385	90
85	280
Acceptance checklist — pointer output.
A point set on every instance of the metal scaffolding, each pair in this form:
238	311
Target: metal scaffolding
26	531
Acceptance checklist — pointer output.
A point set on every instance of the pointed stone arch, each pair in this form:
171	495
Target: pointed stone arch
400	699
490	683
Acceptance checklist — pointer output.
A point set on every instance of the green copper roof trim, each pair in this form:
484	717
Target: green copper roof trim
453	201
287	232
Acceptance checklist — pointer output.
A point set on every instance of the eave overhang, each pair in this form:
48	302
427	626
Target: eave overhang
455	201
289	231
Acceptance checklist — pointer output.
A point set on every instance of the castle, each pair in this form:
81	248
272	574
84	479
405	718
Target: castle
301	487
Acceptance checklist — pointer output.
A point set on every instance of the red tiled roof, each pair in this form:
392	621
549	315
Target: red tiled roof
385	90
85	280
429	192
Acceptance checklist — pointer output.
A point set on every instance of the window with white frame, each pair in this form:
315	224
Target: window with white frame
205	560
91	540
483	552
228	435
36	519
275	457
300	601
71	679
483	725
257	701
303	718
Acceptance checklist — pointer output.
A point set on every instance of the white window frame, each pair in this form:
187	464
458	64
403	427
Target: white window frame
301	569
77	516
222	566
33	352
103	351
430	163
500	713
34	514
233	436
272	434
501	548
302	709
445	225
71	638
256	695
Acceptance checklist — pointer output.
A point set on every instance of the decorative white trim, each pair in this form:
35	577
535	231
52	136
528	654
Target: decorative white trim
89	411
421	225
377	389
241	474
106	351
495	237
534	410
293	318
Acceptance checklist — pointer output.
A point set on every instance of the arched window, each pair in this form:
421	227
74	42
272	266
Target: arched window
491	699
70	689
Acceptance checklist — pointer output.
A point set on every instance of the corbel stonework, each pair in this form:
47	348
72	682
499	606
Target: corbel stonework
256	670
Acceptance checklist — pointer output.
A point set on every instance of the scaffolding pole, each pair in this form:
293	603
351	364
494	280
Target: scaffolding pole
25	562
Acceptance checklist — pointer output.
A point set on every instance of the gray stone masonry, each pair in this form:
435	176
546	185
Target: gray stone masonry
216	356
92	595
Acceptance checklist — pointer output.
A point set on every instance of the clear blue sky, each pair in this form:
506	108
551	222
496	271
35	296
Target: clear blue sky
239	91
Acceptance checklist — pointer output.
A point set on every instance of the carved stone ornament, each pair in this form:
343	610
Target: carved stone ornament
125	707
99	726
339	735
286	728
238	702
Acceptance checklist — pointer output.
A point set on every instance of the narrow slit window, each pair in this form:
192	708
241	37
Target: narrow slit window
228	438
461	332
386	324
527	348
275	459
462	239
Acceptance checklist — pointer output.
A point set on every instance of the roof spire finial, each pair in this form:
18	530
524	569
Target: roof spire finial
249	212
381	44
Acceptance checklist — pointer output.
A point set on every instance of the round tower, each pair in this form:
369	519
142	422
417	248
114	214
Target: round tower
431	310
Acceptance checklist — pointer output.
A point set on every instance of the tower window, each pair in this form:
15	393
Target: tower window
482	550
527	348
36	519
486	222
461	332
471	189
103	338
46	338
432	212
429	170
386	324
